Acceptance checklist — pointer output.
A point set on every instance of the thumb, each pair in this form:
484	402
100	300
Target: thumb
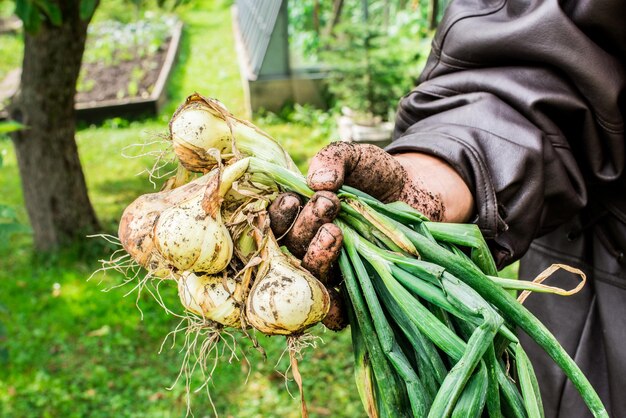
364	166
327	170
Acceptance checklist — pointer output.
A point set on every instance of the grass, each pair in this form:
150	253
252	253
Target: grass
12	53
69	349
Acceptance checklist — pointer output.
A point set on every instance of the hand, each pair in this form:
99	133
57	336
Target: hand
309	232
425	182
386	177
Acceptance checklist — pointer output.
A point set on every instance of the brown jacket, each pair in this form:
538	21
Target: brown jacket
527	100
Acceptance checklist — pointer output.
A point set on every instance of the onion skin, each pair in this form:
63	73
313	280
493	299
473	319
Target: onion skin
202	128
136	229
285	299
182	229
211	296
194	129
190	239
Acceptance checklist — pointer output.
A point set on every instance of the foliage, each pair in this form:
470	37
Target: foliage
110	42
7	127
4	352
372	63
10	225
9	222
375	52
34	12
411	38
11	56
303	115
367	76
6	9
306	22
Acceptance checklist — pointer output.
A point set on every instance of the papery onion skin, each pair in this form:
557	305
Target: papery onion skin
211	296
182	228
194	130
285	299
201	128
190	239
136	229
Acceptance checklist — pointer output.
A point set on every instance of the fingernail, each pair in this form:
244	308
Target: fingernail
288	201
324	207
324	179
325	238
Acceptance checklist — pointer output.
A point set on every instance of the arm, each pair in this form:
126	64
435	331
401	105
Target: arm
525	107
518	111
437	176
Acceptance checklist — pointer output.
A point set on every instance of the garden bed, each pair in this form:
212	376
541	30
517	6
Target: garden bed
129	82
125	69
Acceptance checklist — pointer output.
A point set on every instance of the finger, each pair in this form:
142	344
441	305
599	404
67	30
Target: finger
328	167
335	277
377	173
283	212
323	251
337	318
321	209
364	166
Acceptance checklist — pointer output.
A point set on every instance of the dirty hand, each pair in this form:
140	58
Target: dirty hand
425	182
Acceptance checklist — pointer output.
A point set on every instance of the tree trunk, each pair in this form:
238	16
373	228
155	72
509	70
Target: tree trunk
52	178
434	12
336	17
316	17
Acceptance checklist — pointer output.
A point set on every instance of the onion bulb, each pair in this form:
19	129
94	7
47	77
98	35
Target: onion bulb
182	229
202	127
211	296
285	299
136	229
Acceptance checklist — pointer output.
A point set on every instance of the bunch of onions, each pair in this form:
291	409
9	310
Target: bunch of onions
441	358
181	233
212	234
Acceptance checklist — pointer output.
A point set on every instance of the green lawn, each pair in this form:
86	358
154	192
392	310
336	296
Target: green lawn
11	43
71	350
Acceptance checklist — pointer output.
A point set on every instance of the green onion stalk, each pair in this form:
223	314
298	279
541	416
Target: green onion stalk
412	291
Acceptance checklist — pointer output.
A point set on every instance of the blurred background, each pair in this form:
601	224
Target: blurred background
86	92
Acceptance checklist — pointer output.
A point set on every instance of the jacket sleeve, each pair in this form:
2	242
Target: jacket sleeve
526	107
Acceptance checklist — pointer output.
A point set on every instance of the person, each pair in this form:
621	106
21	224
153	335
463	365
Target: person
517	125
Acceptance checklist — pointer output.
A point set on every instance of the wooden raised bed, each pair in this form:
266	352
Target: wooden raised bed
95	111
92	111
